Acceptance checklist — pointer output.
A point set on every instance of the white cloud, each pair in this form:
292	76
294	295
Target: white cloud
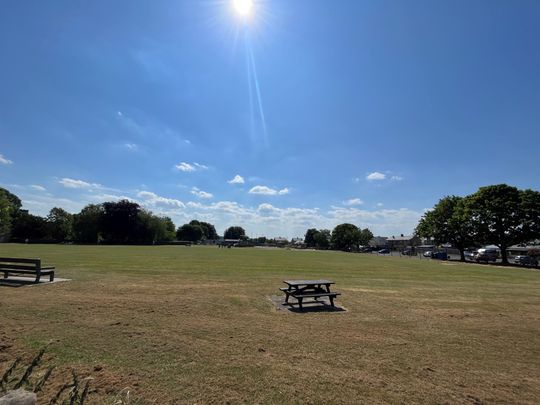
72	183
37	187
201	194
264	190
149	198
131	146
237	180
5	161
353	201
190	167
376	176
380	204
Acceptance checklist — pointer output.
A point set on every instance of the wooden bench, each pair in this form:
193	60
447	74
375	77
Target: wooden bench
300	289
15	265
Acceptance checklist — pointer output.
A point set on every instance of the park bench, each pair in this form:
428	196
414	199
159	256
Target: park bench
15	265
300	289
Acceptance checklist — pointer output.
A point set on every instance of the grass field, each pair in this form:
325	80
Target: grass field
194	325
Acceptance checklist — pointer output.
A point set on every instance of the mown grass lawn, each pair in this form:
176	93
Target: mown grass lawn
177	324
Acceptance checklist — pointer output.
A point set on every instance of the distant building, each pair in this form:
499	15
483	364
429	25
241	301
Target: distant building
378	242
403	241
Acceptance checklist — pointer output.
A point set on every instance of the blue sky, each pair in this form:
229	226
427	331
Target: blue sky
323	111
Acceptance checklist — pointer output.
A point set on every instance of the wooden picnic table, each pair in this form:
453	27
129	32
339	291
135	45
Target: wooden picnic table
315	289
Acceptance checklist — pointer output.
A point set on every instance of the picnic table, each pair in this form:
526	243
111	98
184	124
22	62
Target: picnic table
315	289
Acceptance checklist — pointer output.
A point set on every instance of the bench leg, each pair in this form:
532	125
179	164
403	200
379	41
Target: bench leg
51	277
6	274
38	277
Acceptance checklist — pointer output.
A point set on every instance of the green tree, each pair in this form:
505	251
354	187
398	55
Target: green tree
322	239
5	217
365	236
346	237
87	224
309	238
188	232
120	222
28	226
234	232
209	230
450	221
504	216
60	224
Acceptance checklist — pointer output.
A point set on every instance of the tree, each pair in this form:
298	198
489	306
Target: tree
28	226
10	206
503	216
87	224
309	238
322	239
234	232
365	236
346	237
449	222
120	222
209	230
60	224
192	233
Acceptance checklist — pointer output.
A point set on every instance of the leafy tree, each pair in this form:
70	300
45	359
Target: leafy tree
346	237
322	239
503	216
60	223
28	226
449	221
120	222
14	201
309	238
234	232
87	224
365	236
190	232
209	230
5	217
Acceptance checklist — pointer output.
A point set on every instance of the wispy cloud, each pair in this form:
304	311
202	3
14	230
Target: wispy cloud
4	160
73	183
37	187
190	167
131	146
237	180
264	190
201	194
396	178
376	176
353	201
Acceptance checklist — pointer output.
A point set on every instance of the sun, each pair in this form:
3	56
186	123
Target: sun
243	7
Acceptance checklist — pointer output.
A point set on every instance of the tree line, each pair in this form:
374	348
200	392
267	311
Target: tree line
121	222
343	237
499	215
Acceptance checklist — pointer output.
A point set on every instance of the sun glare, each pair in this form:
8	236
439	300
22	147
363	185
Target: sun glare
243	7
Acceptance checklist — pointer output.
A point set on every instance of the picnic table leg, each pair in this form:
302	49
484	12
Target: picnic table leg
331	300
286	297
300	303
6	273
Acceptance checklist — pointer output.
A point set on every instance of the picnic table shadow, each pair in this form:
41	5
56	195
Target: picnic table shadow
308	307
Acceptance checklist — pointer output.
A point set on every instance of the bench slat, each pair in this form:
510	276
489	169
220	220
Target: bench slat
17	267
19	260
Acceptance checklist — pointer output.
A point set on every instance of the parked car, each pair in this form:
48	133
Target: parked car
429	253
526	260
487	255
439	255
469	254
384	252
408	252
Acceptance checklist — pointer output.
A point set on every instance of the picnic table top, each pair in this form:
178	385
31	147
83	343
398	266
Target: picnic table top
307	282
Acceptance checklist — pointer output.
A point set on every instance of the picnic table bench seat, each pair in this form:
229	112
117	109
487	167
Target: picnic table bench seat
23	266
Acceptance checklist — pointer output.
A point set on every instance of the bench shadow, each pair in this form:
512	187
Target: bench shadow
6	282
